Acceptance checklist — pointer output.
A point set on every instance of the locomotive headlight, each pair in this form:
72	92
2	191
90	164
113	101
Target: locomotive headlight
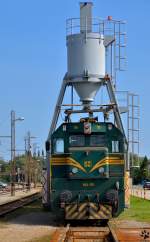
110	126
101	170
117	185
74	170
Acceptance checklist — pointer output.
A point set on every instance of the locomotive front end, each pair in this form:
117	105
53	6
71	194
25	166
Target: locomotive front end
87	170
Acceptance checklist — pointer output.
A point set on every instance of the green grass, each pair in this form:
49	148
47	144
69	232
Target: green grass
139	210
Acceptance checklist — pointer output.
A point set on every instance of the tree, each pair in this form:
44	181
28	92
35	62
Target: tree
140	173
136	175
144	168
4	171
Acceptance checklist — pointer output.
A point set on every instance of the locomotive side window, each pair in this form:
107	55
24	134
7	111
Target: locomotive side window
58	146
97	140
77	140
115	146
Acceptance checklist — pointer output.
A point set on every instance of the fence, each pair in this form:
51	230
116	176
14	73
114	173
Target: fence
140	192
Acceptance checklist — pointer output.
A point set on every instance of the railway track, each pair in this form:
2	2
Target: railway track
81	234
101	234
13	205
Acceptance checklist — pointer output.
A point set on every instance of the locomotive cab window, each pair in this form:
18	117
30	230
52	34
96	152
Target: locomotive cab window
97	140
77	140
58	146
115	146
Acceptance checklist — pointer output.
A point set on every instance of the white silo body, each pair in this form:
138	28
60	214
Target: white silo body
85	55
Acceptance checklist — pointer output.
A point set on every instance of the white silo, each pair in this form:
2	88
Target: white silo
85	54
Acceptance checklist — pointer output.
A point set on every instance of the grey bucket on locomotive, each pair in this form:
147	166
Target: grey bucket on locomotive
85	54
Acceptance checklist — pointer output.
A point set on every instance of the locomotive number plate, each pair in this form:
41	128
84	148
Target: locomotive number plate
90	184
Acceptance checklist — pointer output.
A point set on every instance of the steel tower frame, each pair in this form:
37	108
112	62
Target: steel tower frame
114	107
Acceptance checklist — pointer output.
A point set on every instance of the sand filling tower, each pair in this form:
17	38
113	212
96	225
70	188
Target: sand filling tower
94	55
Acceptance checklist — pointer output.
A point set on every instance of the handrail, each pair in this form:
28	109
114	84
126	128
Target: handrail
101	26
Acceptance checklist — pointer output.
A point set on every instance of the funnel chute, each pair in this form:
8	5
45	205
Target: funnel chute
86	54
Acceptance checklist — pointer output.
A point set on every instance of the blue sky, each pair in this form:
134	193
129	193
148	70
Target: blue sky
33	61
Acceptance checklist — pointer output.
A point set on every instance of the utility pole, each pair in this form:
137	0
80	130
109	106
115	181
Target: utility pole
13	153
35	147
35	164
13	149
29	158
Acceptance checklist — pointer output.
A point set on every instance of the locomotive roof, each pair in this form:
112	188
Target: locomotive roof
96	127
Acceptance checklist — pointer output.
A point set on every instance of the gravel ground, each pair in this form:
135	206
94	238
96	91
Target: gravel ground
27	227
24	225
23	233
30	223
130	224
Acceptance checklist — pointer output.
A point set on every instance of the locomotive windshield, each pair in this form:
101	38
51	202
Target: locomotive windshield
115	146
77	140
93	140
97	140
58	146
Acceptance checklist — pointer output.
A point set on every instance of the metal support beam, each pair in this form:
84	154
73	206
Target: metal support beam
57	108
101	109
117	115
111	92
52	128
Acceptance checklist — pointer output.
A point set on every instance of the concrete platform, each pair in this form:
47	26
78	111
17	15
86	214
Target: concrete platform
5	198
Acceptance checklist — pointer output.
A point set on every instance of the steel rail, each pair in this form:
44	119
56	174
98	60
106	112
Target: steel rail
18	203
111	232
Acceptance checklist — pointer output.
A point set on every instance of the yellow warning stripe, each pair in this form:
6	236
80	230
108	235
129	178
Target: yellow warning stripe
67	161
71	211
72	162
111	162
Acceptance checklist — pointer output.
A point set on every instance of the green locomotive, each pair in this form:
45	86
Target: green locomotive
87	170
